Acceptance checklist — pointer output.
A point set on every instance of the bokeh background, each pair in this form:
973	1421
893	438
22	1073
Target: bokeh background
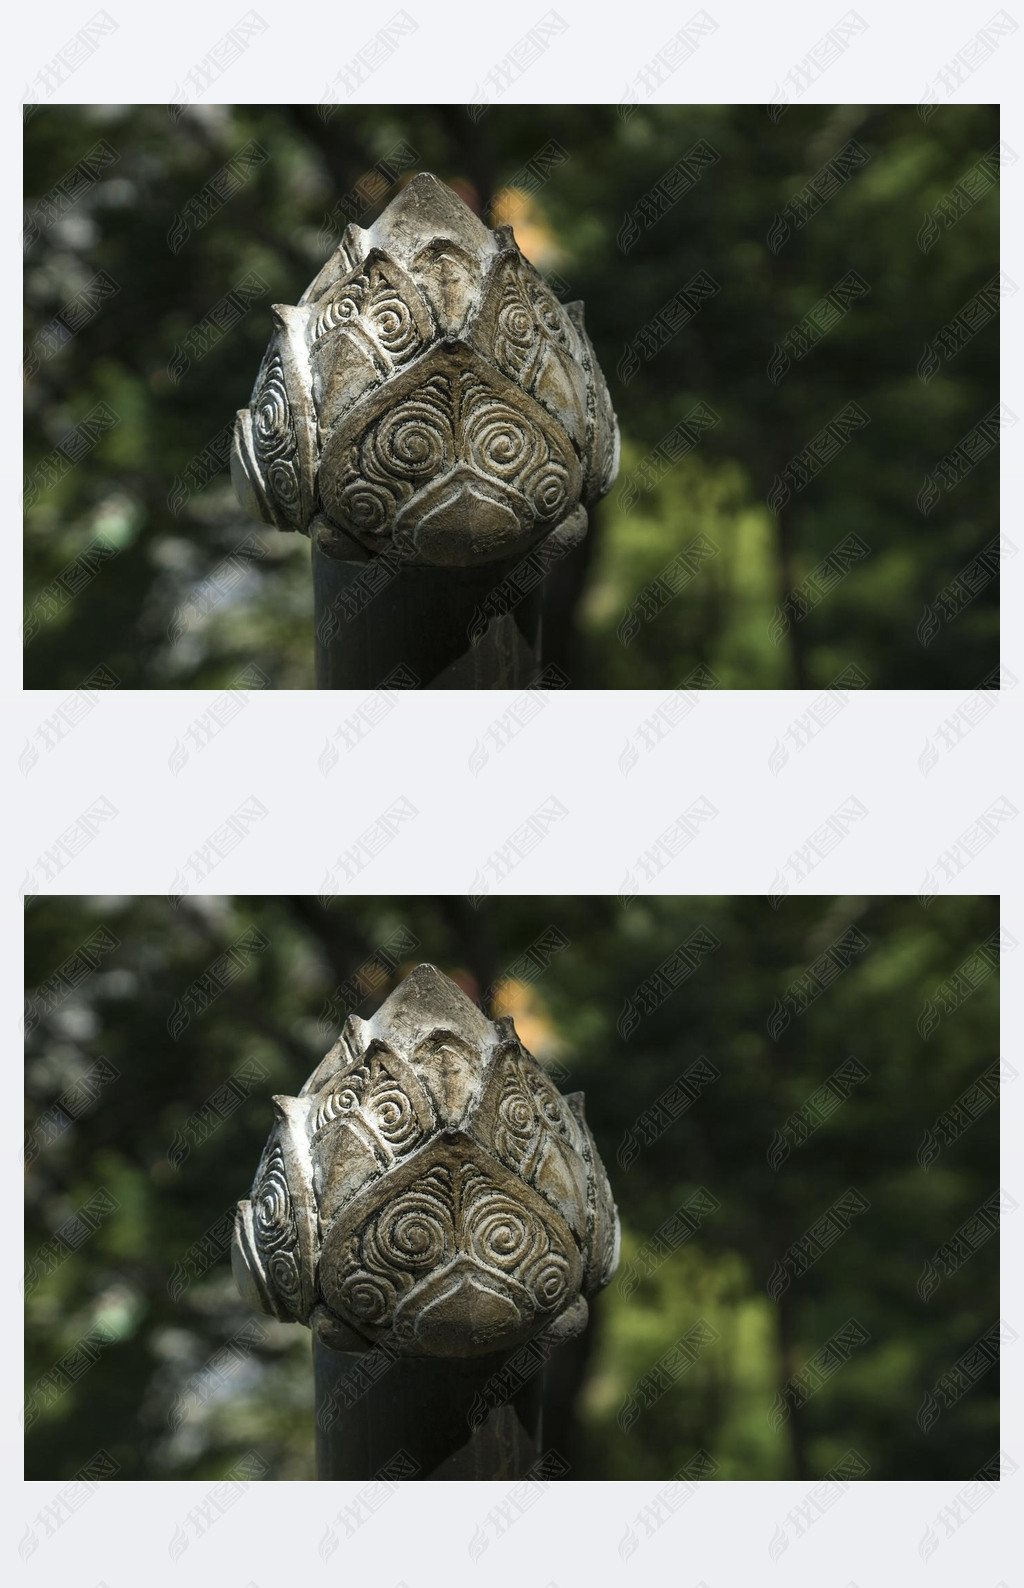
158	1031
157	240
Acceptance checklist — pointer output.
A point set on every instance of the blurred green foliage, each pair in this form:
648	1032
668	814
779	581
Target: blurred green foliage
617	212
138	1046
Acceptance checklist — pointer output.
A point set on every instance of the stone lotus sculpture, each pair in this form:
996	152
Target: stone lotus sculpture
428	396
429	1187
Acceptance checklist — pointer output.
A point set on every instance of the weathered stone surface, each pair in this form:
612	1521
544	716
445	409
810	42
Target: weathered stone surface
429	1187
427	396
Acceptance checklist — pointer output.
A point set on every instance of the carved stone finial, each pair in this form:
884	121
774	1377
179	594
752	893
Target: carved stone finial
430	1187
429	395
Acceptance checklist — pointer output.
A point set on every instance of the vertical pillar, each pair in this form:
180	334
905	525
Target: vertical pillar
450	1418
426	628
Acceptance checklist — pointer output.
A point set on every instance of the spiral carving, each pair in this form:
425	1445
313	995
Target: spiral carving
503	443
414	441
274	441
334	1105
501	1232
499	441
272	1209
440	424
371	301
547	489
283	480
416	1234
366	506
441	1218
429	1187
367	1298
518	1116
515	1129
283	1270
550	316
428	396
272	420
371	1093
392	1113
552	1109
339	310
415	1230
547	1279
393	324
517	329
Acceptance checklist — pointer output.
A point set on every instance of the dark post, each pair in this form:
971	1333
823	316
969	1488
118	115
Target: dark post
428	628
446	1414
435	1210
435	421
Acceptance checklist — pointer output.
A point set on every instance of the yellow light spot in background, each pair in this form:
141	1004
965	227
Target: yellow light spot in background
514	207
535	1028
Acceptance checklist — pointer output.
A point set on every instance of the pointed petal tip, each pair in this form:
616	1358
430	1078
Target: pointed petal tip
426	208
428	1000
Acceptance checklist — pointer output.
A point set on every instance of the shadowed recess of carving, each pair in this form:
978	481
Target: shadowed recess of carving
429	1187
428	396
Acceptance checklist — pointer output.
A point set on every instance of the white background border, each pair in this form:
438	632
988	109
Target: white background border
421	751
